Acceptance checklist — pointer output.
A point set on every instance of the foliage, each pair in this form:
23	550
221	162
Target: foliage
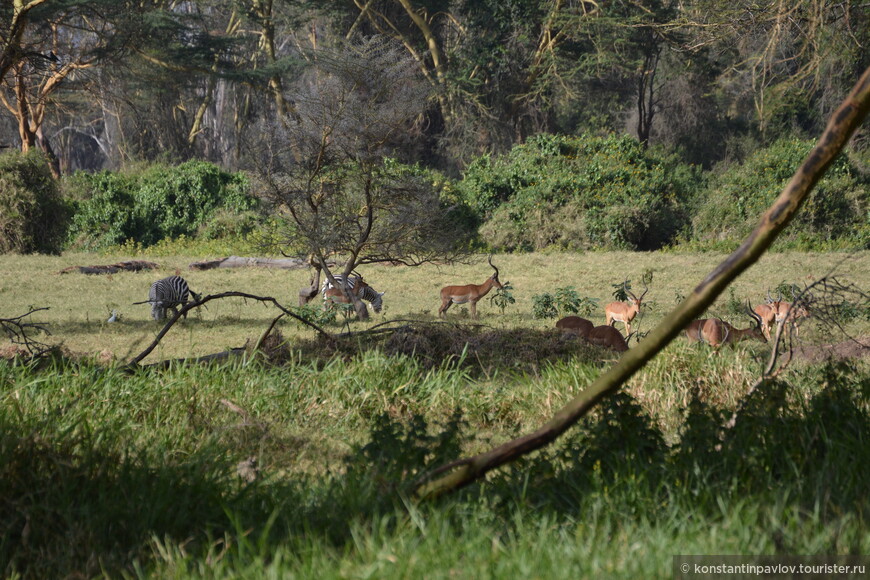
503	297
835	212
159	202
579	193
33	216
564	301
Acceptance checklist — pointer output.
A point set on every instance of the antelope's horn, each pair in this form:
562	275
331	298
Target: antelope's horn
753	314
627	291
769	299
493	266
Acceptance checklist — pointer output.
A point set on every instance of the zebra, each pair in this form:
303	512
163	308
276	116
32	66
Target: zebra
168	293
355	284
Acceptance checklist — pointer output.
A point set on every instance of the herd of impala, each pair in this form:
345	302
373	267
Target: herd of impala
712	331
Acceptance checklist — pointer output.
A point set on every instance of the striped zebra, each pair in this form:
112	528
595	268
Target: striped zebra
168	293
356	284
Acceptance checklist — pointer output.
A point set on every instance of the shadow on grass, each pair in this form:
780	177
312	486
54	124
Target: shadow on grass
67	508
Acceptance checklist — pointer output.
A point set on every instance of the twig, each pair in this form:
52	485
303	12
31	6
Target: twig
16	329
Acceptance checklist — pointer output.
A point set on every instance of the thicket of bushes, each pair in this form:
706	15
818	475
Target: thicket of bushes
573	193
158	202
581	193
834	215
33	214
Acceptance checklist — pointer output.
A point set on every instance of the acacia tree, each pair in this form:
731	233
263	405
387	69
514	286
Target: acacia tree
332	173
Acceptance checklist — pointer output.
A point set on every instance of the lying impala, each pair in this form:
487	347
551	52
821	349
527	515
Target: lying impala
470	293
716	332
624	312
609	337
575	325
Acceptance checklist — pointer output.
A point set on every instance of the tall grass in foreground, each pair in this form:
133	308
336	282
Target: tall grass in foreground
103	473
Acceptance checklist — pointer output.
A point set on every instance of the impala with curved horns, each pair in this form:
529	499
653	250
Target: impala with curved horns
717	332
470	293
624	312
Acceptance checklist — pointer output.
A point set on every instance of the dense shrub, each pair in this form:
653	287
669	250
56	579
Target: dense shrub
33	215
160	202
834	215
579	193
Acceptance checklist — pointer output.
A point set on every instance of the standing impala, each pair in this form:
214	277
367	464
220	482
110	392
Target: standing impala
624	312
716	332
470	293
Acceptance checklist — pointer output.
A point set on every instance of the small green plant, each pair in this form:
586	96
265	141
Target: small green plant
544	306
503	297
316	314
564	301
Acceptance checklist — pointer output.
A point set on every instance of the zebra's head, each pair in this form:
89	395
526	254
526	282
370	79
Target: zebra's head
378	302
158	311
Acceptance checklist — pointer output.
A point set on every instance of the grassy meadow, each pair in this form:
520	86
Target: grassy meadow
304	469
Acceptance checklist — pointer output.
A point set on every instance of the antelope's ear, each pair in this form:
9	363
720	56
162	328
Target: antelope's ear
382	293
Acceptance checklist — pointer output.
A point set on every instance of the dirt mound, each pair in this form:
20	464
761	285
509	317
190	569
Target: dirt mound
854	348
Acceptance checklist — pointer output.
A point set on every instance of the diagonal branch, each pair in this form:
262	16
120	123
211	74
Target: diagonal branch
191	305
840	127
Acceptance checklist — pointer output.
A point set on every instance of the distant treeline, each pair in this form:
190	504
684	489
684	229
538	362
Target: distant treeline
118	83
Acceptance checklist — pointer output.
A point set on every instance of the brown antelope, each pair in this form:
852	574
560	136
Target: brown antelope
777	311
575	325
789	313
716	332
470	293
624	312
361	289
609	337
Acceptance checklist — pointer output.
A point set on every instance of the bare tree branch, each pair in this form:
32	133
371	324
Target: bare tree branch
191	305
18	331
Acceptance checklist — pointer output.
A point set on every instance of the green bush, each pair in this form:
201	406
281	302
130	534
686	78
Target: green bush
580	193
33	215
159	202
565	301
835	215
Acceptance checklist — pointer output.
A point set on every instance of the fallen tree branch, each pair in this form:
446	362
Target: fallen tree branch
129	266
191	305
840	127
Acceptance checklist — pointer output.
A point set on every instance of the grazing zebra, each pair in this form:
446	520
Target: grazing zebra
356	284
168	293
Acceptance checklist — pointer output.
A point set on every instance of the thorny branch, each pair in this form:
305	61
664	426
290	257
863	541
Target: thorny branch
21	332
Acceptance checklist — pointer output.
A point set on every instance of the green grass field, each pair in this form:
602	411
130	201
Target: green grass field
110	474
79	304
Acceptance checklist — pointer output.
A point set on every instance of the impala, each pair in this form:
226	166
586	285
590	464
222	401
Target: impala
470	293
716	332
575	325
624	312
609	337
777	311
362	291
790	312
